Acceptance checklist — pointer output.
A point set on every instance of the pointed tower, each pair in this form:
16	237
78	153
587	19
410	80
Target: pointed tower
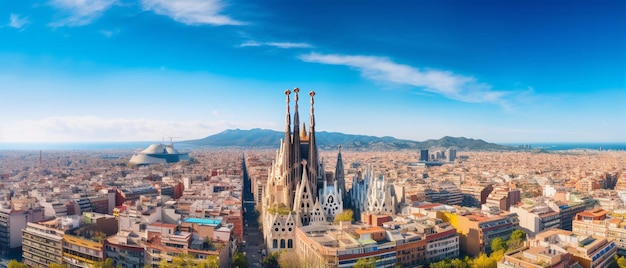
295	167
331	200
303	200
317	215
316	180
288	159
341	180
291	193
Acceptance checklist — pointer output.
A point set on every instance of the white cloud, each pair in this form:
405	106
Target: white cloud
251	44
191	12
445	83
17	22
91	128
110	33
80	12
285	45
288	45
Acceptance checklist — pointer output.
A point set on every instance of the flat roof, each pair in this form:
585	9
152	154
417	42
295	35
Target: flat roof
369	230
212	222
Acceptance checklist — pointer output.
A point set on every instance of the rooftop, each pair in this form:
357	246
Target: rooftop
211	222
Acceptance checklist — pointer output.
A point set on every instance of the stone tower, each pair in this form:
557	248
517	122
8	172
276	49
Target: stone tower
296	179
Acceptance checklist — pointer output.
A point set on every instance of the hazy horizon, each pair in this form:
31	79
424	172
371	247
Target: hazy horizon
138	70
166	140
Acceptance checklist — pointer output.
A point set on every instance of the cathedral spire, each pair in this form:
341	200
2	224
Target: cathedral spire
295	167
303	133
287	156
341	180
315	181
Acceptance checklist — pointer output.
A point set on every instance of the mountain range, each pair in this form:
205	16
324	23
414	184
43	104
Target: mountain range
265	138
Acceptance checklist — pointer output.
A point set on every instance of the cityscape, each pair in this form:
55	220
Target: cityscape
300	206
315	134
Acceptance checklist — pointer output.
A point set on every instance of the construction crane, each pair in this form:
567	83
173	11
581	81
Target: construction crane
171	140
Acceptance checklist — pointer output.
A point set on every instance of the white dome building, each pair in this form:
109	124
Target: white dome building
158	154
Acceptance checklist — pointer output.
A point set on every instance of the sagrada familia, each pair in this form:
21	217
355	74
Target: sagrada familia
299	193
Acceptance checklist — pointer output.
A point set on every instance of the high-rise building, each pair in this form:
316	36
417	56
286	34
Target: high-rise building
424	155
451	155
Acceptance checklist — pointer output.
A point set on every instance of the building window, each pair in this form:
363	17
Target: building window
290	243
282	243
275	243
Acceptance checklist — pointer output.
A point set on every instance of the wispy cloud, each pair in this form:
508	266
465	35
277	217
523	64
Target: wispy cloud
285	45
191	12
16	21
445	83
91	128
110	33
80	12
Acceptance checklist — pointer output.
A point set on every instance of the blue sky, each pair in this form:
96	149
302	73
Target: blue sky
502	71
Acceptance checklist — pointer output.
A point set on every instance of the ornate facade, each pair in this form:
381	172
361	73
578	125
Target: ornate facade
370	194
381	198
297	193
358	192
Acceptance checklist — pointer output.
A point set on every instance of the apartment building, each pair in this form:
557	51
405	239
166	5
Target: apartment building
535	218
41	245
12	221
478	229
561	248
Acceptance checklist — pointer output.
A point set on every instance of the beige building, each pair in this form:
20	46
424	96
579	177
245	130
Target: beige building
477	229
560	248
596	222
41	245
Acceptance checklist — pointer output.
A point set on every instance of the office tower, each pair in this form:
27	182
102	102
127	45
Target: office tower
423	155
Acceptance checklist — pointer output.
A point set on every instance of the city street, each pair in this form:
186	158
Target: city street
251	232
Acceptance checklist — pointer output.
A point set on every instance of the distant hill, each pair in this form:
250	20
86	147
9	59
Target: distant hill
329	140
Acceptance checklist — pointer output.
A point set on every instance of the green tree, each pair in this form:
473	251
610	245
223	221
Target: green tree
483	261
518	235
514	244
56	265
458	263
621	262
346	215
189	261
290	260
16	264
210	262
271	260
107	263
239	261
497	255
497	244
365	263
516	240
441	264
